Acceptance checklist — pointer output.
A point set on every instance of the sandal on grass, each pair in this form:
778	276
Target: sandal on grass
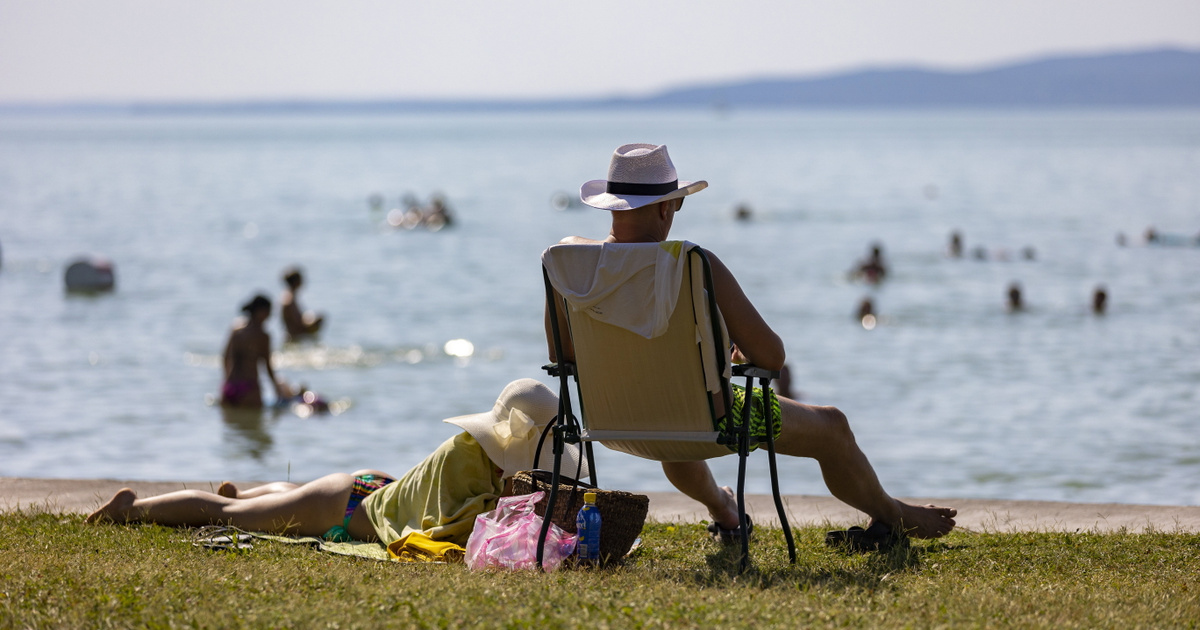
729	536
222	538
878	537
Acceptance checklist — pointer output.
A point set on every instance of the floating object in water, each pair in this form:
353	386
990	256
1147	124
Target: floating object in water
1171	240
90	275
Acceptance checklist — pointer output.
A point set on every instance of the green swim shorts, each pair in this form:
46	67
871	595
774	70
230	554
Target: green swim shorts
758	419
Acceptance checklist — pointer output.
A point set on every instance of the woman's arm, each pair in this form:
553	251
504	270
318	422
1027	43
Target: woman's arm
264	354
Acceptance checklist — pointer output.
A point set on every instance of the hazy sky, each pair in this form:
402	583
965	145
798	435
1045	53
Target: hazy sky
117	50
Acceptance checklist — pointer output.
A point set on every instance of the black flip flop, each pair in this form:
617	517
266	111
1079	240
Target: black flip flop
730	536
878	537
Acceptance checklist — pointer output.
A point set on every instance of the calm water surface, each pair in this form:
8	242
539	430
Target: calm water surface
949	395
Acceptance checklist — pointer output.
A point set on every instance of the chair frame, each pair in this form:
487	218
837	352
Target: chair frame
567	428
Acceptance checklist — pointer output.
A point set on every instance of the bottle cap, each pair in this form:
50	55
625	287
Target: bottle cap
589	497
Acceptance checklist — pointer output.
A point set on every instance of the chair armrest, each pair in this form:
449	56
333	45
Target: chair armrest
749	369
555	369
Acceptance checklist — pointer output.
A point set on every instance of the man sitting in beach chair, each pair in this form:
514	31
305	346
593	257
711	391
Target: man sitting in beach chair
643	193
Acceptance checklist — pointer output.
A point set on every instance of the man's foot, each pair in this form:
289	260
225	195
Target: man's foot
227	490
730	536
117	509
728	516
924	521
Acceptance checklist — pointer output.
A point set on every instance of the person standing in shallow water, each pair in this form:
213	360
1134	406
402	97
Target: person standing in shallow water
298	324
248	346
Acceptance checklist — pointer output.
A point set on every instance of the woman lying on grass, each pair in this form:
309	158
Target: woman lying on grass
440	497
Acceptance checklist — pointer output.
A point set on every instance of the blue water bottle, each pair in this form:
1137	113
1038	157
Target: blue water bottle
587	527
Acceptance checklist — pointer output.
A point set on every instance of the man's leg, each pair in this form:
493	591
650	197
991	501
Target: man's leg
308	510
695	480
824	434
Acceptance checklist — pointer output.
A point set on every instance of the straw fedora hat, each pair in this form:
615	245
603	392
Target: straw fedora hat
638	175
509	433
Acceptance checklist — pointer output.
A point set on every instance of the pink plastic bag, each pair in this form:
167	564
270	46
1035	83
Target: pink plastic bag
507	537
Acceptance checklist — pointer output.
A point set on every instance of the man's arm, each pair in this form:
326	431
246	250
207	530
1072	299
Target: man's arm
747	329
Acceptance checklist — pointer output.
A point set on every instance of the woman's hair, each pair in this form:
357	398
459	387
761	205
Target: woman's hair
259	301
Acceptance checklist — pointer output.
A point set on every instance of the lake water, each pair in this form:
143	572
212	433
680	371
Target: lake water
949	395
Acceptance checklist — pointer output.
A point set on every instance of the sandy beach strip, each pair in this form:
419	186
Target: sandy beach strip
985	515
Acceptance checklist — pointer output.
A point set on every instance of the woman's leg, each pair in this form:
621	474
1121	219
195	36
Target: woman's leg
231	491
308	510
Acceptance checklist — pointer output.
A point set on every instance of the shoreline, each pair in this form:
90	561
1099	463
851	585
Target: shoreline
82	496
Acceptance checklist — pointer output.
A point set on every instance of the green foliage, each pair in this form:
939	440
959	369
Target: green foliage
55	571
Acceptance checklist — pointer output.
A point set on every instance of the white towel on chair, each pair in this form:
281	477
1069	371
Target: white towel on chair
632	285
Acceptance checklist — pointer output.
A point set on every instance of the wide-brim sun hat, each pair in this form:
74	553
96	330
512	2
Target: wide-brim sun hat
509	433
638	175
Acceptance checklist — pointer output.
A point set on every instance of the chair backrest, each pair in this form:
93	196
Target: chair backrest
656	398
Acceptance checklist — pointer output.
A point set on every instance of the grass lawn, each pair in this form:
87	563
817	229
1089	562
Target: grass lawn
55	571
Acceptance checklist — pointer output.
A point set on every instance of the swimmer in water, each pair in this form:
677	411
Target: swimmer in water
866	308
873	269
956	246
1099	300
1015	303
248	345
299	325
438	215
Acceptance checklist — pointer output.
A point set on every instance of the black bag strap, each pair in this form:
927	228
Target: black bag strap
537	455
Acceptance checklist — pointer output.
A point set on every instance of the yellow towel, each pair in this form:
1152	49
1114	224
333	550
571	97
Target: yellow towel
417	547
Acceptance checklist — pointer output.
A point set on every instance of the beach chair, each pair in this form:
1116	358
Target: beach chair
651	362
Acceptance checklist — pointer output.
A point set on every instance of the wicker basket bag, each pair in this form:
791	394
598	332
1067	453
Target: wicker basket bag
622	513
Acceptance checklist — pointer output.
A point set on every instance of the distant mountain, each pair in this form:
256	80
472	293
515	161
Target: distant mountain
1157	78
1153	78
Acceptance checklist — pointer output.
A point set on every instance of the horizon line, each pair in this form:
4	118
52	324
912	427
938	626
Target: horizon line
130	105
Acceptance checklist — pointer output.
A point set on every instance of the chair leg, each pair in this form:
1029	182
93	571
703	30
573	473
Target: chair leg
743	455
558	451
765	385
787	530
743	523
